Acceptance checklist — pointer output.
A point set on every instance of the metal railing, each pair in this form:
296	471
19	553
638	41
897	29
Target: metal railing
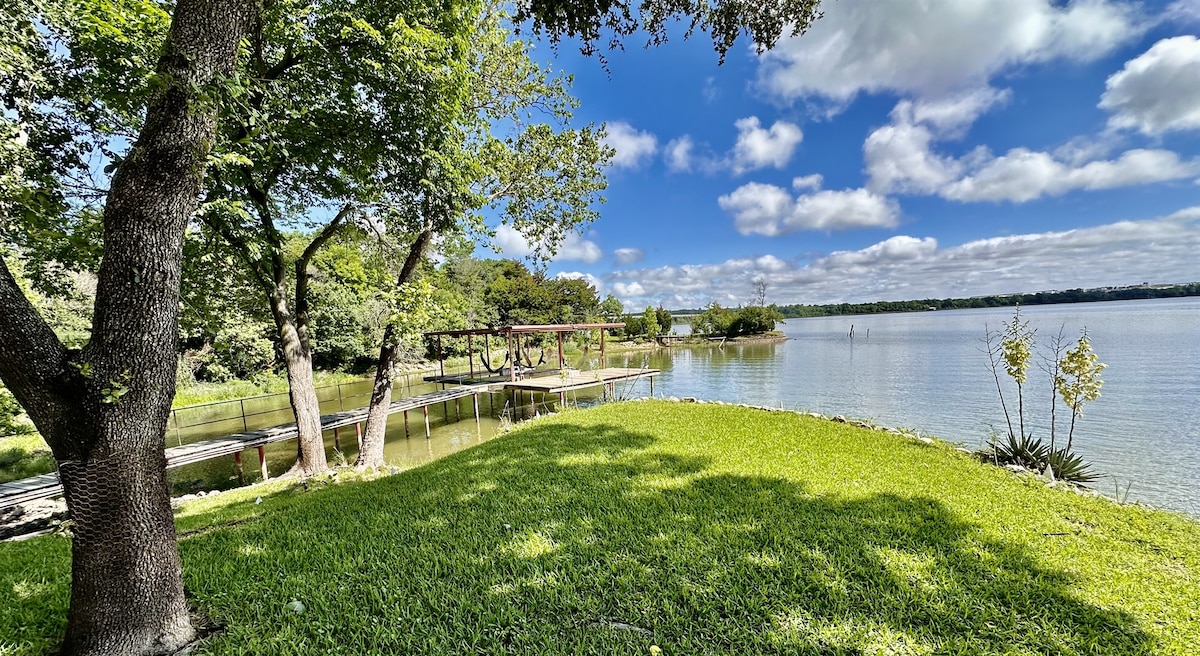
241	415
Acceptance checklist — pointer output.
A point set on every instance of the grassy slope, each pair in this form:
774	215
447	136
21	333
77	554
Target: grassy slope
22	456
713	529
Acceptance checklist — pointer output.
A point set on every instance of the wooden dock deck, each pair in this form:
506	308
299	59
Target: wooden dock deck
47	486
575	380
550	381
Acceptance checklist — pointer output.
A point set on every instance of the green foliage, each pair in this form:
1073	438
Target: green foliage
753	320
650	322
715	320
663	317
1032	454
611	309
520	296
724	20
12	417
717	529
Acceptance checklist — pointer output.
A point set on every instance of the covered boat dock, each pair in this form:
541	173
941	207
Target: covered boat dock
518	371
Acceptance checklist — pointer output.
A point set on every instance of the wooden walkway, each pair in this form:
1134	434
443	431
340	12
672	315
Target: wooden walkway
47	486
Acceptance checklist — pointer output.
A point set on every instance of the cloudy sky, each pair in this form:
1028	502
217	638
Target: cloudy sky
900	150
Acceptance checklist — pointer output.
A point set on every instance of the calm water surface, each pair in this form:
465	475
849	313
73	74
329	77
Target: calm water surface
927	371
924	371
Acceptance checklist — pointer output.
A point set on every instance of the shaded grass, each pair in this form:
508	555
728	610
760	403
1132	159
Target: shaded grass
22	456
706	529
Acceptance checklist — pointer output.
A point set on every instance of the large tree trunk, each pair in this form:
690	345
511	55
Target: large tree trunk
371	453
104	410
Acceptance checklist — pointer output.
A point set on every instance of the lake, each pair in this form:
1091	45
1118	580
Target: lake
928	371
923	371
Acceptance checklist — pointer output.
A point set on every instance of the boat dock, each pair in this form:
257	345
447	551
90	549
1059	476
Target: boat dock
47	486
518	373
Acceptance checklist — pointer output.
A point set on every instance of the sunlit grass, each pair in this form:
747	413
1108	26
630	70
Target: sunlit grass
199	393
697	528
22	456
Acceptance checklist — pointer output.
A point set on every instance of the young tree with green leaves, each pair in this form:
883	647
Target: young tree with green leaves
650	322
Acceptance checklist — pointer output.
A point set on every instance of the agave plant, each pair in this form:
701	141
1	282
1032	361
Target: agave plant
1031	453
1069	467
1026	451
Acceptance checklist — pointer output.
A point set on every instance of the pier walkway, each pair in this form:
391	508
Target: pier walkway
47	486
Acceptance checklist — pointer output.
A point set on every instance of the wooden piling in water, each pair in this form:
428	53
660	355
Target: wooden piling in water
262	462
426	409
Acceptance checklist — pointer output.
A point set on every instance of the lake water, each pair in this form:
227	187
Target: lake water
928	371
923	371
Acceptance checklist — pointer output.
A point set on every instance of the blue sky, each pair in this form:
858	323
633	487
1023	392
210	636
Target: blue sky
899	150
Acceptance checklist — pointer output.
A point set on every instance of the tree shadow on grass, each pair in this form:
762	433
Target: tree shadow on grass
566	539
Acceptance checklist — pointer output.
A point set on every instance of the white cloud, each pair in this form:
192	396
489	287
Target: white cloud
513	244
1158	91
900	158
633	148
595	282
813	182
758	147
628	255
575	247
937	47
950	114
769	210
678	154
1023	175
905	267
1184	11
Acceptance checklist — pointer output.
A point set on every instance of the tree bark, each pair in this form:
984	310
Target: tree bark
104	410
371	453
302	392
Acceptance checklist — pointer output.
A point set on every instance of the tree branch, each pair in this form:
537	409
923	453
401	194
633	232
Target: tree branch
317	242
33	362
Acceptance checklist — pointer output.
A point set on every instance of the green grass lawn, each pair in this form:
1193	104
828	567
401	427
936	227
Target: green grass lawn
22	456
701	529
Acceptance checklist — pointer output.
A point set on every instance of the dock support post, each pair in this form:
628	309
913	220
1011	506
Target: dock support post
457	410
337	440
652	387
426	409
237	465
562	400
358	434
262	462
471	357
406	423
475	400
560	352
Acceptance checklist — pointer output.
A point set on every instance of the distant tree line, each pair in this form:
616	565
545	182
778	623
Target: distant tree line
1008	300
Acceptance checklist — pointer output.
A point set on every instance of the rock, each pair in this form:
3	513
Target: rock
839	419
690	399
1016	468
926	440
